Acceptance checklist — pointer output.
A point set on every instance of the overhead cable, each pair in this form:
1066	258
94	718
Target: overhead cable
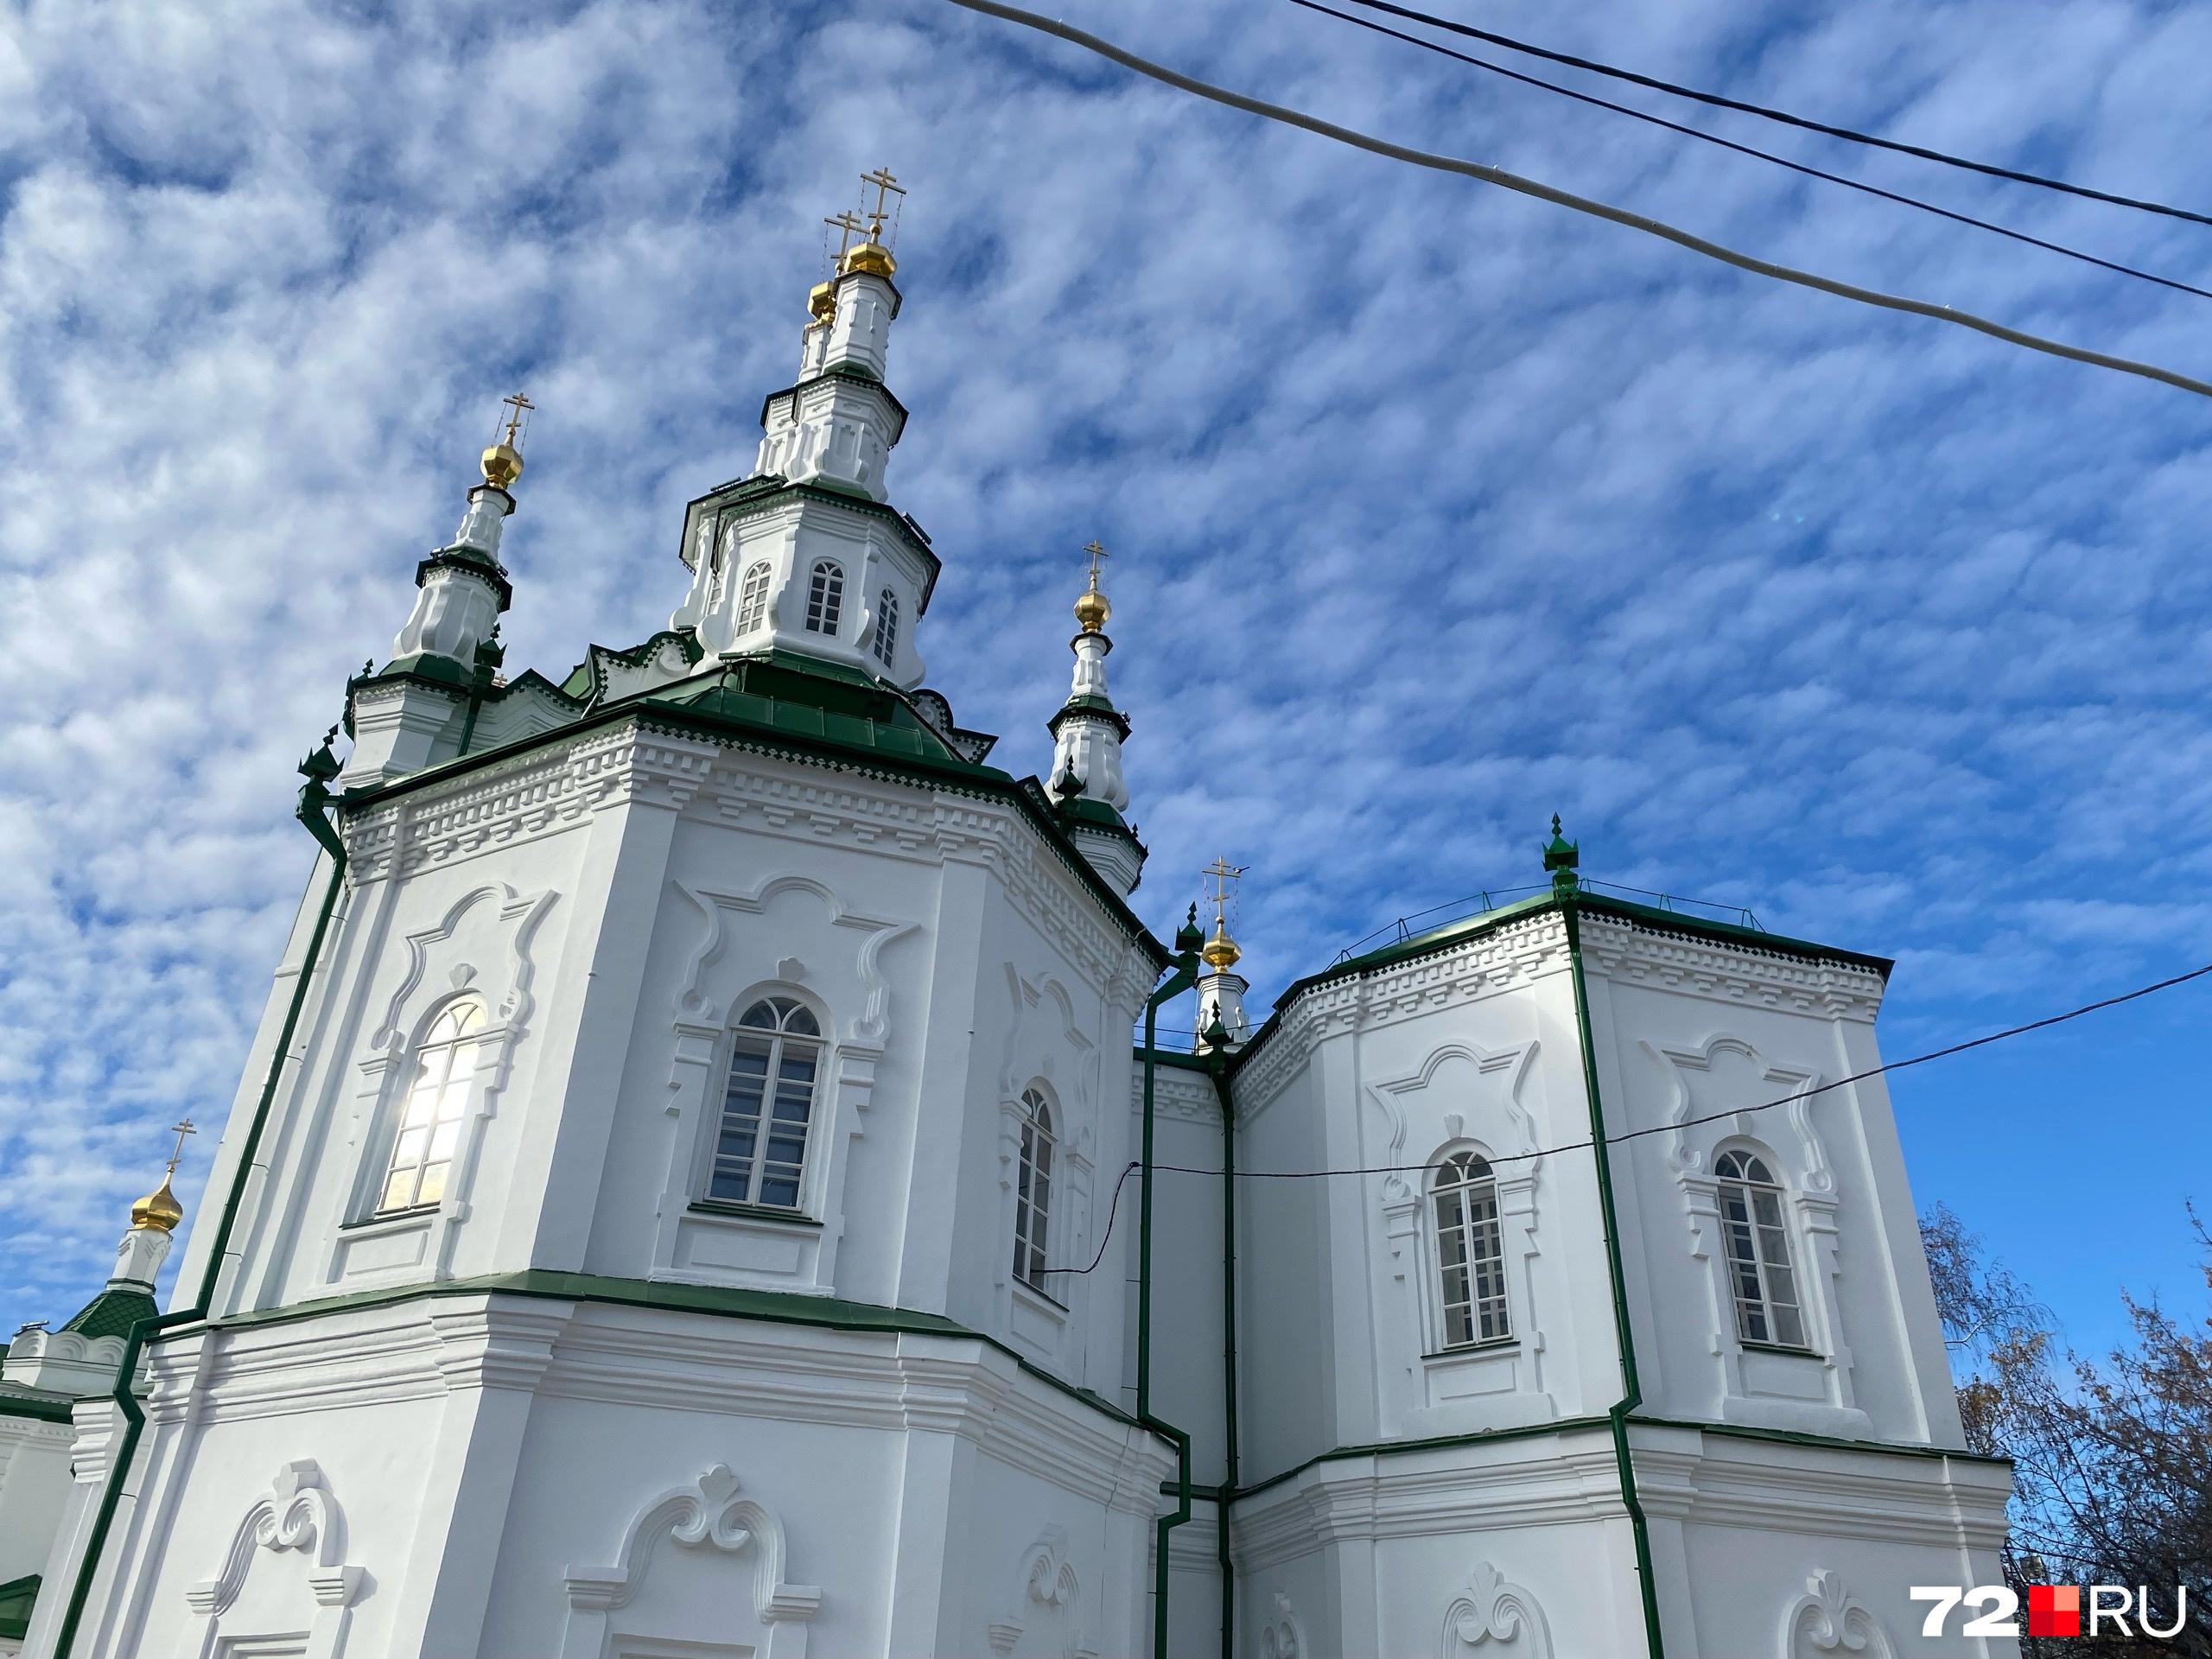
1847	183
1783	116
1674	1126
1541	192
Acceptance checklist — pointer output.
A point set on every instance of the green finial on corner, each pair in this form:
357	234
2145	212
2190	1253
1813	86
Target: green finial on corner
1560	858
1189	937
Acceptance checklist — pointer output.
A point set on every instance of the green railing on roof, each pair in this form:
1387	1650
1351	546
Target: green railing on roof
1405	928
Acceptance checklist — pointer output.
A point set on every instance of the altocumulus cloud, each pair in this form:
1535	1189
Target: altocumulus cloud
1434	511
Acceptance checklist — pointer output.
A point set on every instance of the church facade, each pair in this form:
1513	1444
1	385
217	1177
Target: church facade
693	1194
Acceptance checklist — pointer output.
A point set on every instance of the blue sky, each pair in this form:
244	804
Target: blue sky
1434	510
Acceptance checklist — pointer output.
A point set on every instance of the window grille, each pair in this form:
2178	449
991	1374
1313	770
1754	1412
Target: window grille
1470	1252
752	599
1033	1199
428	1132
775	1059
1767	1308
887	626
825	598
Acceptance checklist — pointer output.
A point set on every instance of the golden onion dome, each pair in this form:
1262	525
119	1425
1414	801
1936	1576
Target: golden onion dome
821	302
871	257
1092	610
1220	951
502	465
158	1209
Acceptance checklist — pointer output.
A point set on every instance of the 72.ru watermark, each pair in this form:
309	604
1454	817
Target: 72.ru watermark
2053	1610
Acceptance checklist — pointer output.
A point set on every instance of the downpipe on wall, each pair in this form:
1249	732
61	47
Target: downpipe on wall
313	811
1185	975
1218	1065
1631	1387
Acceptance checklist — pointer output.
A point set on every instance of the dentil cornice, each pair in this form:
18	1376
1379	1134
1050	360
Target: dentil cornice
1745	974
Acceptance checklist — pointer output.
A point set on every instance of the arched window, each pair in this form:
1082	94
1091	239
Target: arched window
752	599
1032	1196
887	626
775	1059
1470	1253
825	598
1767	1308
429	1132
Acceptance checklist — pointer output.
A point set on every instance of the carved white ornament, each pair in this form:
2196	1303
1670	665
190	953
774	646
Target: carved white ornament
1044	1578
706	1514
1283	1637
1491	1610
869	1026
298	1513
1830	1619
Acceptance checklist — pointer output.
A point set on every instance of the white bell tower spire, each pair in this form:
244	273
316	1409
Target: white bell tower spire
1085	782
1222	1022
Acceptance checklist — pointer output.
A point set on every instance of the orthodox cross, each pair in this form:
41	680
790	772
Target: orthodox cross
1222	872
183	1129
1096	553
516	407
886	188
845	224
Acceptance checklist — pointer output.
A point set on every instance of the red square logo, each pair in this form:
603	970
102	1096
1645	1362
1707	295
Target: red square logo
2054	1610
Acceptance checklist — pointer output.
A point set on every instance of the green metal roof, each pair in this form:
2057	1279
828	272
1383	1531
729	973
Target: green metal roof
18	1597
46	1405
112	1313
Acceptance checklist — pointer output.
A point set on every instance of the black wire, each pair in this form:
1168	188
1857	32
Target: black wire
1783	116
1132	1169
1747	149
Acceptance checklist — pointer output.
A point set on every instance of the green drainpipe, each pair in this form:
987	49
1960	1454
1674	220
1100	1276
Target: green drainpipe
1185	975
1632	1389
1219	1066
319	769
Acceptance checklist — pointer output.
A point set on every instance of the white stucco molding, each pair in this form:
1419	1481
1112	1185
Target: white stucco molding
297	1513
868	1024
1044	1577
1830	1619
1487	964
1491	1611
1282	1635
709	1513
1825	987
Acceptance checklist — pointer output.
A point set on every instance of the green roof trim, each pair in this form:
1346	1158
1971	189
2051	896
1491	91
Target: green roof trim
41	1405
113	1311
18	1597
1088	707
849	372
426	666
473	560
748	496
717	1301
1591	904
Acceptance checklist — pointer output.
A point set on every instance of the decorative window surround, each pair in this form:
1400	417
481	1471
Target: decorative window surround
1761	1384
492	926
1487	1385
1046	1053
298	1513
707	1512
698	1243
1283	1635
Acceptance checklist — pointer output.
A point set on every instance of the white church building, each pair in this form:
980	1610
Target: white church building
693	1195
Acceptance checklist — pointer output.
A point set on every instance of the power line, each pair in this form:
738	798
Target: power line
1945	1052
1753	150
1783	116
1541	192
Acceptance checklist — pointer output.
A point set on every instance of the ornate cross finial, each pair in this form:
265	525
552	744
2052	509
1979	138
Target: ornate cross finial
886	188
845	224
1222	873
1096	553
516	407
177	1156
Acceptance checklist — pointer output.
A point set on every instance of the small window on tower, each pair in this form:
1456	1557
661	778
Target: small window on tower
427	1134
825	598
752	599
1767	1308
887	627
775	1059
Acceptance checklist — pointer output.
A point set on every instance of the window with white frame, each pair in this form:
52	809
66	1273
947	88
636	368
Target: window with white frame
1470	1252
825	598
427	1132
1033	1194
775	1064
887	626
753	598
1767	1308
